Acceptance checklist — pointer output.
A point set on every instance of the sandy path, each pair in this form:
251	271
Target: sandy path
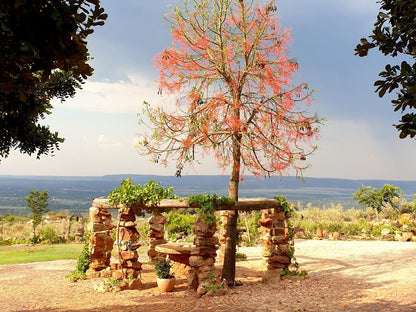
344	276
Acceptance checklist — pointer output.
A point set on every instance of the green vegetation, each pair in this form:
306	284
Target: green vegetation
49	236
351	223
83	261
394	35
179	223
162	269
130	195
14	255
290	214
37	203
240	256
247	228
43	56
377	198
211	284
207	204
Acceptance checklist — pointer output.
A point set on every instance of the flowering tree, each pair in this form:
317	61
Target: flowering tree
230	70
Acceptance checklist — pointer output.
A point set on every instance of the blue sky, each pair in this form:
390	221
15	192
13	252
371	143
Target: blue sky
100	122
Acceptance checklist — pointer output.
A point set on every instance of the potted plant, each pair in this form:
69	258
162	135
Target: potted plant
165	280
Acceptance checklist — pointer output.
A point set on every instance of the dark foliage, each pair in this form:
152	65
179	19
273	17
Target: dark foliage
43	56
394	34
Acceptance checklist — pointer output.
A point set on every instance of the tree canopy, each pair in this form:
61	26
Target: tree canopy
231	73
394	34
37	203
43	56
377	198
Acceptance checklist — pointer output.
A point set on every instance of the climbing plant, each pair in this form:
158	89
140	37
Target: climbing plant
129	194
83	261
207	204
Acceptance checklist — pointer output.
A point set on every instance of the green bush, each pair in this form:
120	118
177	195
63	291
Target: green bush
178	223
83	261
351	229
240	256
308	226
49	236
376	230
10	219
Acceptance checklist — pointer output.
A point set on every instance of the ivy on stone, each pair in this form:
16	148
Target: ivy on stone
129	194
207	204
289	212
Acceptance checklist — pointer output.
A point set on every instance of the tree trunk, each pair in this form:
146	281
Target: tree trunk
228	271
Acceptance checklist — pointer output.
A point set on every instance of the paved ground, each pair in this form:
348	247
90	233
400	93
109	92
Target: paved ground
345	276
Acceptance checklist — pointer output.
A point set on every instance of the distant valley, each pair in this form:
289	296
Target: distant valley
75	194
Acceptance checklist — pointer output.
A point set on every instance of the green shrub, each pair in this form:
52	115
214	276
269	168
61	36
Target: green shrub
351	229
10	219
162	269
83	262
308	226
48	235
178	223
240	256
376	230
143	230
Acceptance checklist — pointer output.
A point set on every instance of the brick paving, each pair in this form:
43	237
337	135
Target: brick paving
353	276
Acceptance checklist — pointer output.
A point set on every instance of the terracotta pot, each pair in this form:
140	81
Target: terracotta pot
165	284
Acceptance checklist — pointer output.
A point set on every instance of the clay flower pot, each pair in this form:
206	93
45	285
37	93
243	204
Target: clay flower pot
165	284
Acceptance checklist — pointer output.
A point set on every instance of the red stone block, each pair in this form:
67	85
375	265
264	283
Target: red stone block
157	219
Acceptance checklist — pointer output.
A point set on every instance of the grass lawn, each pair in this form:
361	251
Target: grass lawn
15	254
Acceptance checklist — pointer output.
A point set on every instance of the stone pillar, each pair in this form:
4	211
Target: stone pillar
156	235
125	254
223	236
203	255
275	241
101	243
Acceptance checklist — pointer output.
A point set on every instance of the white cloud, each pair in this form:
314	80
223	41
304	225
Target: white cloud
359	150
105	142
118	97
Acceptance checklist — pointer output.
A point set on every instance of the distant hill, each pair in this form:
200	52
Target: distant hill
76	193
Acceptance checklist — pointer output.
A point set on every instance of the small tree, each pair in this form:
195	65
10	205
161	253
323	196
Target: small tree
377	198
231	73
37	203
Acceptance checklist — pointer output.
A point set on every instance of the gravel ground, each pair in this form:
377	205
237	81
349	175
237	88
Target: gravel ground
354	276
